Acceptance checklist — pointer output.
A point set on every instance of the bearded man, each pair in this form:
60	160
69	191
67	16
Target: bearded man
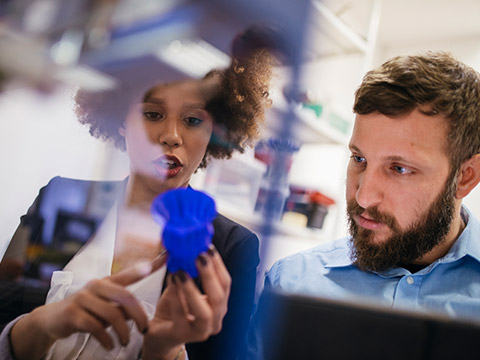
415	154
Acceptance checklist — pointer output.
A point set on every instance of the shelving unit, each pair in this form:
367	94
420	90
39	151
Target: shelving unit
308	128
286	239
334	38
254	222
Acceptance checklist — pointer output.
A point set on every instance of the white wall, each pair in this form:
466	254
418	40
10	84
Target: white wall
333	80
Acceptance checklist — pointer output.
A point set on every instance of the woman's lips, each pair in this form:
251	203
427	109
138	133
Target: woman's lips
367	223
167	166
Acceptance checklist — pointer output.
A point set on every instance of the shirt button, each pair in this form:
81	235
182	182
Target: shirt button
410	280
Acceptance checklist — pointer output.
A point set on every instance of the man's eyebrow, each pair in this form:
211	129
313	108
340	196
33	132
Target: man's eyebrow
354	148
396	158
389	158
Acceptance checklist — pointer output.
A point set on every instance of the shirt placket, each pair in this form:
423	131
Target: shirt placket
407	292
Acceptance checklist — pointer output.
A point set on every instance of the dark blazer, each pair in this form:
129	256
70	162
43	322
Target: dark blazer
68	211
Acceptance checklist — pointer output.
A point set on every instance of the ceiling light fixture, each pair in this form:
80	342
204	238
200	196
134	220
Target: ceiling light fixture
193	57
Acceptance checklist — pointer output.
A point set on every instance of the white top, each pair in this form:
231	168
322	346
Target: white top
95	261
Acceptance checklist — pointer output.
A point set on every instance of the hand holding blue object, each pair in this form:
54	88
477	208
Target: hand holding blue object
186	216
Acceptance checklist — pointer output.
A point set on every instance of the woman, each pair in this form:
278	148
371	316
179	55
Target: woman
172	131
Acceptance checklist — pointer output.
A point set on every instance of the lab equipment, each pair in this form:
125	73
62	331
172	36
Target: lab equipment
274	190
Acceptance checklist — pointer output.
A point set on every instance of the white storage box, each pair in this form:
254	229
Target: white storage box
235	181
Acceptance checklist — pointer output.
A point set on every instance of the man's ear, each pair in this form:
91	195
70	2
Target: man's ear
468	177
121	130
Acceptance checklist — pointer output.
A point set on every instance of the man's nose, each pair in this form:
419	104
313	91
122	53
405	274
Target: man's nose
370	189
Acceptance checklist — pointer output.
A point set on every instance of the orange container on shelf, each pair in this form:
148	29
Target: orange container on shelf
317	209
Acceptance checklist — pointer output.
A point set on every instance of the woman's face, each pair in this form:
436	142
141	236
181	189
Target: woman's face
167	135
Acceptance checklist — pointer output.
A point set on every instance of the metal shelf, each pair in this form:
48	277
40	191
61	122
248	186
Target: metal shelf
307	128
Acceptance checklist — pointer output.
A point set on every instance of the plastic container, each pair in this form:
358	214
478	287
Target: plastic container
186	216
271	200
318	209
235	181
277	155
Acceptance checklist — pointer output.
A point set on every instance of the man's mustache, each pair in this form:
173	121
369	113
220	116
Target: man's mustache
353	209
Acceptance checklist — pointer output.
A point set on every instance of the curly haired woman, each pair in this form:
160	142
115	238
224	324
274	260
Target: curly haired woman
100	305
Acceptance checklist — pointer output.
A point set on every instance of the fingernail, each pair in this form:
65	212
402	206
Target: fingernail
202	259
181	276
211	251
145	330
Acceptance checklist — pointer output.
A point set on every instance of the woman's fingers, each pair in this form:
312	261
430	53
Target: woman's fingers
184	314
216	287
112	289
180	306
220	268
91	324
102	303
99	304
60	320
199	314
108	313
117	295
207	310
139	271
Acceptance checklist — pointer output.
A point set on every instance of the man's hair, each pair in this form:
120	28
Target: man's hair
434	83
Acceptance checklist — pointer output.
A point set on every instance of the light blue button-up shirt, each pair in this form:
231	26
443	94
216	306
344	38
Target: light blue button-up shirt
450	285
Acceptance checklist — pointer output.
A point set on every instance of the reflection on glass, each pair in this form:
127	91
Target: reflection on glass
80	230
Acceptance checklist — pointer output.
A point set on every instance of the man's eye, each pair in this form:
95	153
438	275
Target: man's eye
153	115
358	159
400	169
193	121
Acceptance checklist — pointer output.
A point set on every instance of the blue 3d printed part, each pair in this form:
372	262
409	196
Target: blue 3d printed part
186	216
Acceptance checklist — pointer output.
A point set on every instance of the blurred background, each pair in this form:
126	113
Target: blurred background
50	48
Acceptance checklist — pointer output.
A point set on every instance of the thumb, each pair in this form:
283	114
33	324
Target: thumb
139	271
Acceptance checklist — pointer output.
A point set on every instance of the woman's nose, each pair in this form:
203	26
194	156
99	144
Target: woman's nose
170	133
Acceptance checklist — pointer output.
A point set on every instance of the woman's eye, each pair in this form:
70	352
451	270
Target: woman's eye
193	121
153	115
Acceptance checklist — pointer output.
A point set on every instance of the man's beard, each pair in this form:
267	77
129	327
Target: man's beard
402	247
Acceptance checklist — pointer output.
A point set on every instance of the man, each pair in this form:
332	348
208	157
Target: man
415	154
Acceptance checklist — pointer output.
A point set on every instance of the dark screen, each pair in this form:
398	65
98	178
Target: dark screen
297	327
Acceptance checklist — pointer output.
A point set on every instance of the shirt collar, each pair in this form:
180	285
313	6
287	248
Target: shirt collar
466	244
340	257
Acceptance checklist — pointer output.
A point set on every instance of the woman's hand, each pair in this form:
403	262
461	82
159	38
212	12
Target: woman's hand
184	314
99	304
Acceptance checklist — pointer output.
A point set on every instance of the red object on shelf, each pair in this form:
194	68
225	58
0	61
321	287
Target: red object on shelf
317	197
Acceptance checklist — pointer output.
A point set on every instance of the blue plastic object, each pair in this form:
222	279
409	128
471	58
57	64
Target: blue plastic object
186	216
